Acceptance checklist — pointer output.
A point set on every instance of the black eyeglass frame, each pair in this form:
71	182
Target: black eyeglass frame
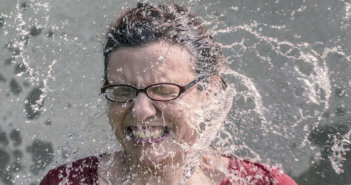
182	89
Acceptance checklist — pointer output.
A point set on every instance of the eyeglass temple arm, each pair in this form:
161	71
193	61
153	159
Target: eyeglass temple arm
194	82
103	87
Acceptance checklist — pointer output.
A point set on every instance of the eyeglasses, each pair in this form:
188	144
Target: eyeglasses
121	93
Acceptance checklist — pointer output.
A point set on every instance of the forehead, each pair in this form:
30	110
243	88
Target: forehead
152	63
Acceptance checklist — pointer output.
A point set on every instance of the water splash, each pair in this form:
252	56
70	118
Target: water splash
286	78
339	150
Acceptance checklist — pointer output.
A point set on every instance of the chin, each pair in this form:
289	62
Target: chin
152	157
156	154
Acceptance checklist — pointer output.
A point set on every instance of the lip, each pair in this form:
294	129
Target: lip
149	141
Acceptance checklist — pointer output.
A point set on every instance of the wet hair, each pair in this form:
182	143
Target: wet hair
148	23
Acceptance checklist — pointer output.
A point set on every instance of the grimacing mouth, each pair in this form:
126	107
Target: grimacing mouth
130	129
158	121
146	135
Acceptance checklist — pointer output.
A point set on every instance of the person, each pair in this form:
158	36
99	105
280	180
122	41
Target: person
166	101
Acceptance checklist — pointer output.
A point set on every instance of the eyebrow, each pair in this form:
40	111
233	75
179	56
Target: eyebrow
119	81
137	86
161	76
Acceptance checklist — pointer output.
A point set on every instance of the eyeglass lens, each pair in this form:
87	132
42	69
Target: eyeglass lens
120	93
163	91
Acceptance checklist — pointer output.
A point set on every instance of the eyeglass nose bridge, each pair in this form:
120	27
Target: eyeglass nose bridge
144	90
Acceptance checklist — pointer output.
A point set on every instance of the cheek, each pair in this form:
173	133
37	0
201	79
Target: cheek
183	119
114	114
173	112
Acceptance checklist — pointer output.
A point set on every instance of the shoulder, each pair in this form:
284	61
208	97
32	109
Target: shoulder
82	171
212	166
246	172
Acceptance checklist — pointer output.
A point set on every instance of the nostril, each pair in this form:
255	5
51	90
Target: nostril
166	129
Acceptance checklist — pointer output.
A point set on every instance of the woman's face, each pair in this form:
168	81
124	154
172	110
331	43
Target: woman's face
155	132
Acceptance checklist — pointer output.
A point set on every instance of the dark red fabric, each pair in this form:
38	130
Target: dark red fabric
246	172
80	172
84	172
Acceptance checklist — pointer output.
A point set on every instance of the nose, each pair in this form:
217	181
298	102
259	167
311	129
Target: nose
143	108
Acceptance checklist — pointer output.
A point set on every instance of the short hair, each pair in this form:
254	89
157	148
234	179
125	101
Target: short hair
148	23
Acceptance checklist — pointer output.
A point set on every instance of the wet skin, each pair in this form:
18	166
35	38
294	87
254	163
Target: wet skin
177	120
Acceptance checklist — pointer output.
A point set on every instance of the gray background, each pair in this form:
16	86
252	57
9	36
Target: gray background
290	61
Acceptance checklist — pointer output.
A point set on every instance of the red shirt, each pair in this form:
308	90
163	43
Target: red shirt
84	172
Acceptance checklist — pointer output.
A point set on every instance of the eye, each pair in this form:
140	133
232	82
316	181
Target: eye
163	91
120	93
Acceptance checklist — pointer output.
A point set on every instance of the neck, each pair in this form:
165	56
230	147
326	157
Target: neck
169	174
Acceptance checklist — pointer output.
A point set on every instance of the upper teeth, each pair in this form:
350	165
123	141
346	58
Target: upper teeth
145	134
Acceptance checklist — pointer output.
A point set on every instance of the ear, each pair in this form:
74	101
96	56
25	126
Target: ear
216	82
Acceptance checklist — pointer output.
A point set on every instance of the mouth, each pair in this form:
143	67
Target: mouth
147	135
